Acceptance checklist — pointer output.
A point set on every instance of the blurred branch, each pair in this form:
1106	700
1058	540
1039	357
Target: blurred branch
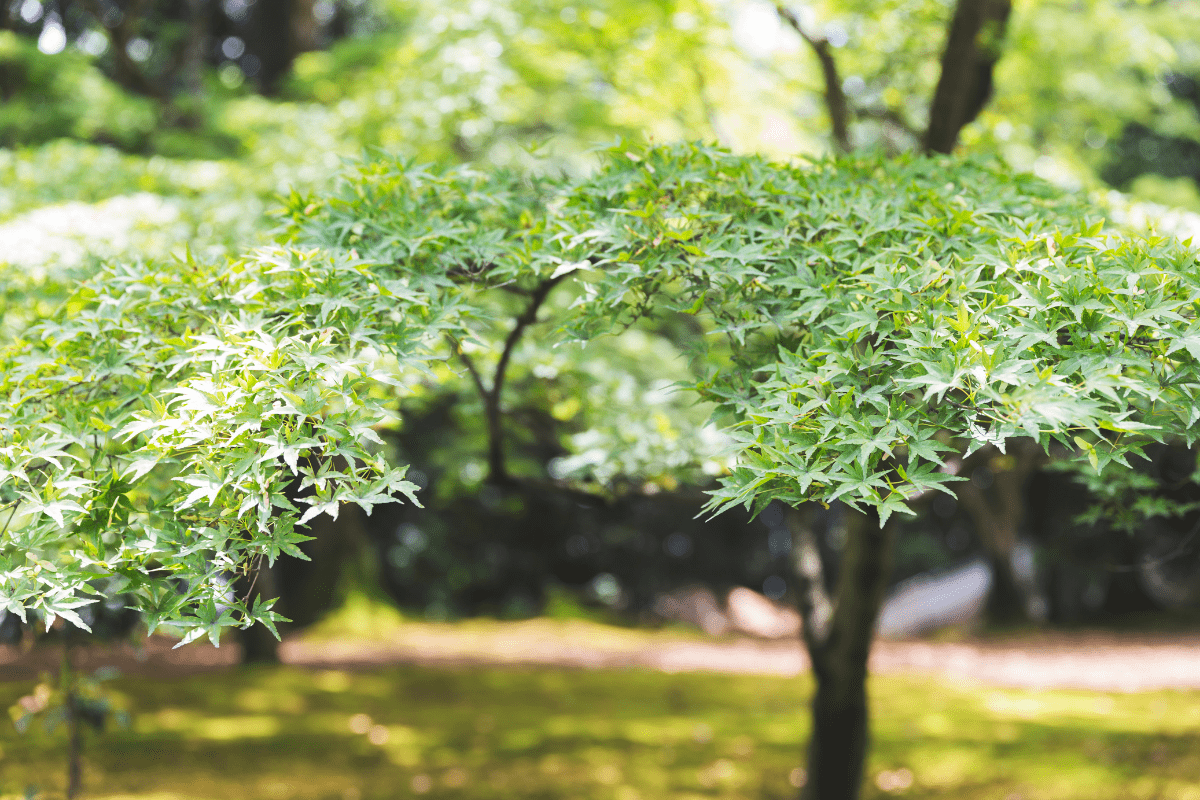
469	363
835	98
497	470
997	523
710	113
891	116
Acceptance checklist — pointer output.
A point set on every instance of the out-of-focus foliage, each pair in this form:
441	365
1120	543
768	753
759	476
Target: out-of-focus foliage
485	80
64	95
77	693
1075	76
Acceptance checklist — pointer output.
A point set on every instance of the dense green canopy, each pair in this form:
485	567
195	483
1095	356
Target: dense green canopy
171	423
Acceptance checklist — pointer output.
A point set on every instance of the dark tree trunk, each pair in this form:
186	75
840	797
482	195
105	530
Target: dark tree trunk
1007	601
994	498
305	32
965	86
270	38
73	716
259	646
279	31
838	632
74	746
838	748
192	66
127	72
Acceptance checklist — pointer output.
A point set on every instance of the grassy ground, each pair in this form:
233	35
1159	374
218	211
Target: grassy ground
281	732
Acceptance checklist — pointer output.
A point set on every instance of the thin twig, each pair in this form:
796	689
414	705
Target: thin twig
469	363
11	514
1180	549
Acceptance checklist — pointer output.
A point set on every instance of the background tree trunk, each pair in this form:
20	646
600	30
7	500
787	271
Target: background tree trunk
965	85
191	78
259	646
994	498
68	680
838	635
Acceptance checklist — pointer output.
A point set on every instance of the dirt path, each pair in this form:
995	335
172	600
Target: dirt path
1097	661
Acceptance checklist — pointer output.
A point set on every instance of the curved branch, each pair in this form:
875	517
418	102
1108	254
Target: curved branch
497	470
457	348
835	98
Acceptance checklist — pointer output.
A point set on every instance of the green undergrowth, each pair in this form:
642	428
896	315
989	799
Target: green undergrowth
279	732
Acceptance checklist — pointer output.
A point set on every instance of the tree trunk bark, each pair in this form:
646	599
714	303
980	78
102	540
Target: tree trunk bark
192	67
127	72
259	646
837	750
997	508
1007	601
74	726
74	747
305	30
838	635
965	85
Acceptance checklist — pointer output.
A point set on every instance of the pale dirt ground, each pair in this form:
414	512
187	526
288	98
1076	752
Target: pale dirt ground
1086	660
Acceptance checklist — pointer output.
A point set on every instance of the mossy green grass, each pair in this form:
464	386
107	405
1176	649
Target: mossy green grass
273	733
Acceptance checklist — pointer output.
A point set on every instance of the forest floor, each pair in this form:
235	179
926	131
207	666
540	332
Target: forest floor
1101	661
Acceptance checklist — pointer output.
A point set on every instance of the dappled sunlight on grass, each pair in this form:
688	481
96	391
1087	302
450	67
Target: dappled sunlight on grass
277	733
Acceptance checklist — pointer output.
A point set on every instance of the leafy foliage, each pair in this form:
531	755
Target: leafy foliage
168	428
884	314
157	425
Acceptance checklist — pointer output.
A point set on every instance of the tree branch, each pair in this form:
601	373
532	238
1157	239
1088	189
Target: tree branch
889	115
497	471
710	113
457	348
835	98
15	504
